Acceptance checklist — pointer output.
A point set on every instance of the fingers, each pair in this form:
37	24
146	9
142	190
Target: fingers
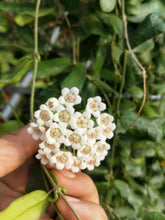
85	210
78	185
15	148
7	195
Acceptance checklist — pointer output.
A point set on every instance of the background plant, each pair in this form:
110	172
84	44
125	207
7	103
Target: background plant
92	53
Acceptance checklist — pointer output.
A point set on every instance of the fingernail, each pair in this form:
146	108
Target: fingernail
68	174
72	199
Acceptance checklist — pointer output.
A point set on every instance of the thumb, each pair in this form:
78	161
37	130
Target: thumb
86	210
15	148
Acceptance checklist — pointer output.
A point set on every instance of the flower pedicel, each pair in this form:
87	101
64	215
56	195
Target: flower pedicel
71	139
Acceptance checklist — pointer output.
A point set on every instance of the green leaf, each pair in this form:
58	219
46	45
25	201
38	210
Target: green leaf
53	67
125	212
91	24
154	216
135	167
28	16
101	56
151	27
17	74
144	126
9	126
111	20
107	6
149	111
102	186
127	193
135	92
139	12
75	78
144	148
29	206
116	53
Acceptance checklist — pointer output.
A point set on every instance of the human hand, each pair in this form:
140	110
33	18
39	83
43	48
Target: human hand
16	150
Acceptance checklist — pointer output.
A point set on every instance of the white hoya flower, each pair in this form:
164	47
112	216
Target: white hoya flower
78	164
104	119
48	148
92	162
62	159
85	151
74	139
70	96
95	106
63	115
107	132
101	149
55	134
81	121
93	133
44	115
52	103
36	130
42	157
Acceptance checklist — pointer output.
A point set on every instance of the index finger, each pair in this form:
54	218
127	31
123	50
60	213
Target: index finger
15	148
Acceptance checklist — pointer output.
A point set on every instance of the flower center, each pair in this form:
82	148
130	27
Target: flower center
105	120
77	162
91	161
93	134
86	149
44	115
94	106
55	133
75	138
100	148
49	145
70	97
106	131
82	122
62	158
37	131
64	116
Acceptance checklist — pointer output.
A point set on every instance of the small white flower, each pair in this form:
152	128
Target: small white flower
36	130
55	134
81	121
48	148
94	106
101	149
104	119
52	103
93	133
107	132
77	165
44	115
62	160
92	162
74	139
85	151
42	157
70	96
64	115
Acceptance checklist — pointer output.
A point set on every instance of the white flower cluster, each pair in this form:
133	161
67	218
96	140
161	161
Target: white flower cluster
71	139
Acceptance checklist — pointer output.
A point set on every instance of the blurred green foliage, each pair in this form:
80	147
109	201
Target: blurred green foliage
89	52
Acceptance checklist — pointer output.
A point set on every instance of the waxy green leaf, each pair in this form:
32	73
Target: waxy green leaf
30	206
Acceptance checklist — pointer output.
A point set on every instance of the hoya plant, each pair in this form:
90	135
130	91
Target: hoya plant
95	98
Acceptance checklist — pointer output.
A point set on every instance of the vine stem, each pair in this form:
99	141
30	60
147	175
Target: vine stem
57	189
36	59
118	112
137	62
